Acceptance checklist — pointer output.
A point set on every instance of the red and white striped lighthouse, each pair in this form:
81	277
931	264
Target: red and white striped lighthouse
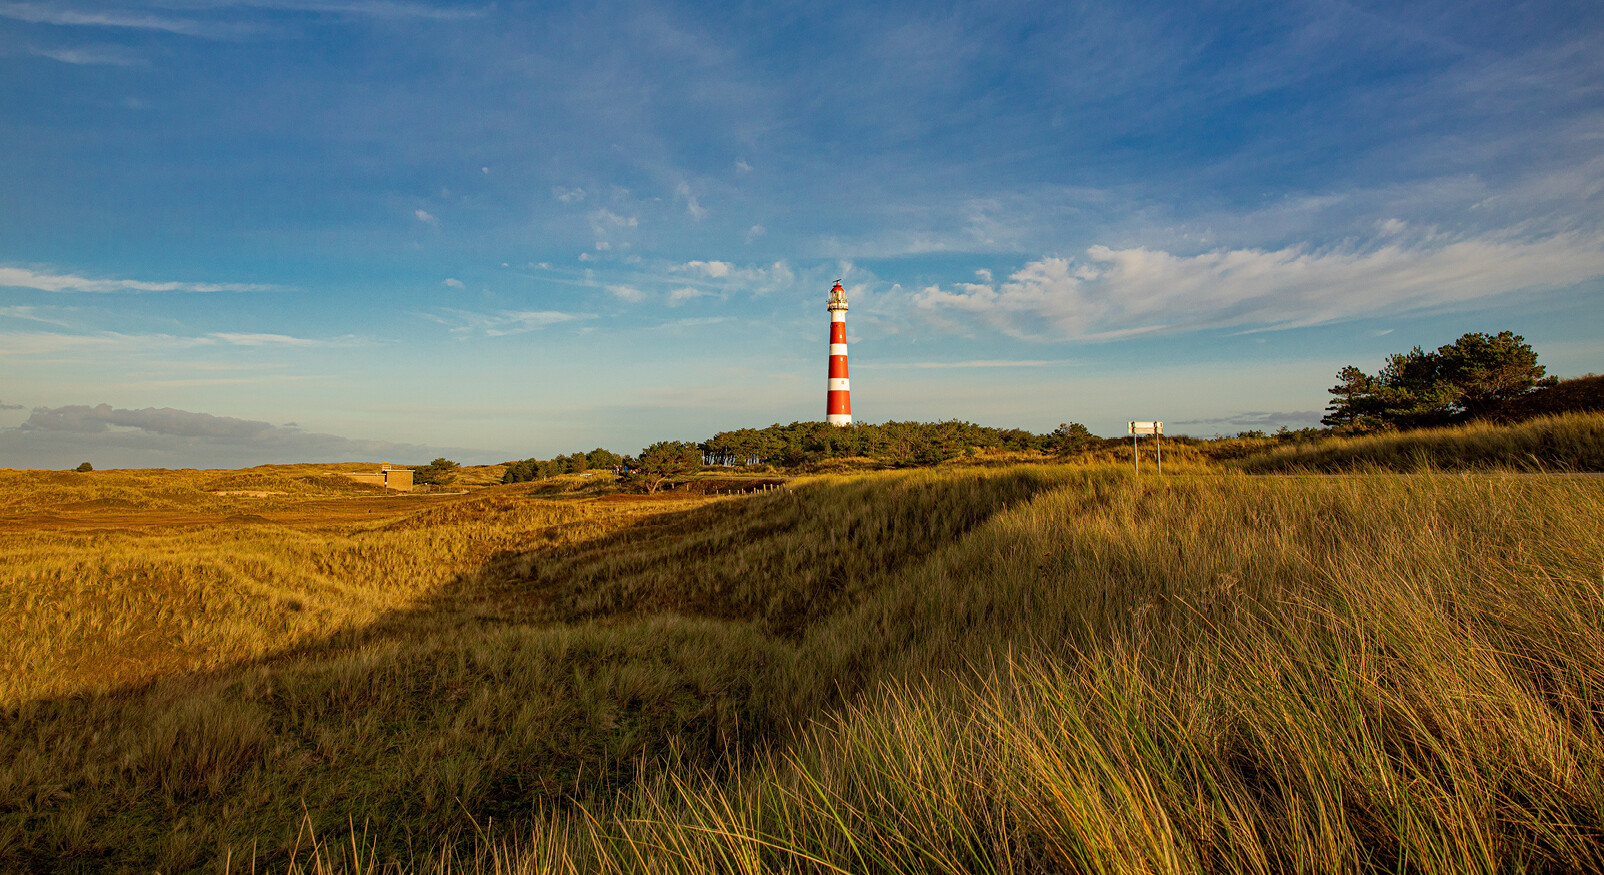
838	400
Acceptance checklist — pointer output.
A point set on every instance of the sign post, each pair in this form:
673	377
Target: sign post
1135	429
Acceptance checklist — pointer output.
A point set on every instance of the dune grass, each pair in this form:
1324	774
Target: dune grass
193	570
1572	442
997	670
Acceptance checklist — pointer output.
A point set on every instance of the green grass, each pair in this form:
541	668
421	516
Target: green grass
989	670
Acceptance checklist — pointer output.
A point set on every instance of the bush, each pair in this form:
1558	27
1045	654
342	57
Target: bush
436	473
662	461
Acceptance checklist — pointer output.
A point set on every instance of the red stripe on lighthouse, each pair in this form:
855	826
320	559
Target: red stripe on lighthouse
838	394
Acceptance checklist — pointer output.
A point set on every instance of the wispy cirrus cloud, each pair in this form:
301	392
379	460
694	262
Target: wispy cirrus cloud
365	8
723	277
111	56
463	323
256	339
31	343
685	294
31	314
607	227
1112	293
23	278
693	206
63	15
220	20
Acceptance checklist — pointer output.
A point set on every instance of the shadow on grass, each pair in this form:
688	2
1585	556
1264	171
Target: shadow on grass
542	679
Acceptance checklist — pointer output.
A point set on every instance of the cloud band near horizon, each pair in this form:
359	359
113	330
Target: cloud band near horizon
112	437
1112	294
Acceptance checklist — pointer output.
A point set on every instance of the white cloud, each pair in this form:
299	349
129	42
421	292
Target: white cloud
268	340
1114	293
111	56
18	277
568	195
627	293
454	283
742	166
725	278
692	206
755	232
29	343
707	268
37	13
371	8
211	27
30	314
606	224
501	324
681	295
22	343
425	216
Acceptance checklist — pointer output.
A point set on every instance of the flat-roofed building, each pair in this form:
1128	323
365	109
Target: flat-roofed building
399	479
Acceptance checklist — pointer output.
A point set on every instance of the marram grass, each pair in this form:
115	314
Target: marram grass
1008	670
1572	442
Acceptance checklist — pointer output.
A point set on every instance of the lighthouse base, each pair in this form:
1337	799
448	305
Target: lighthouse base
839	419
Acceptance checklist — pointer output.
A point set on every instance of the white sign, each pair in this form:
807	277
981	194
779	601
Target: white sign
1144	428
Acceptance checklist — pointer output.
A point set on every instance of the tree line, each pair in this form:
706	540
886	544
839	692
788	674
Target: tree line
574	463
1475	377
892	443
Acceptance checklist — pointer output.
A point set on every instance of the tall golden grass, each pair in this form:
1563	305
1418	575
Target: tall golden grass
1572	442
994	670
114	578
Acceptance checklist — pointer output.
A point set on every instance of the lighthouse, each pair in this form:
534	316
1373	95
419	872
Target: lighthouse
838	399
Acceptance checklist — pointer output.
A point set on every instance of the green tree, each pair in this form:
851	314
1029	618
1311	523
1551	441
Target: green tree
84	467
1069	437
520	472
1488	369
663	461
1357	405
437	473
600	458
1459	380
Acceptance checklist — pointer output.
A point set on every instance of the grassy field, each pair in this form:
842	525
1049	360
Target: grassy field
997	669
1572	442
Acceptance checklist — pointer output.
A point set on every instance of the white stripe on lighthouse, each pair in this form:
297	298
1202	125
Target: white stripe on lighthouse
840	384
838	349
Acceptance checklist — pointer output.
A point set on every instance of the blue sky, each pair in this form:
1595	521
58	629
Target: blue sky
244	232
